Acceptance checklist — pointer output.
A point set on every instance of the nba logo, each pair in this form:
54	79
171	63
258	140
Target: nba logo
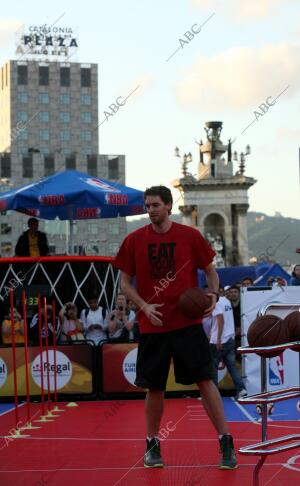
276	370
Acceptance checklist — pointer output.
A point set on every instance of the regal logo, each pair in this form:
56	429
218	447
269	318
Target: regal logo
63	369
3	372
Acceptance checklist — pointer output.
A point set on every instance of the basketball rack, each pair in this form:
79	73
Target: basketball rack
274	446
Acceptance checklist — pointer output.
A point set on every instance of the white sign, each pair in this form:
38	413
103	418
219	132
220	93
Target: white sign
282	370
3	372
63	369
46	42
129	366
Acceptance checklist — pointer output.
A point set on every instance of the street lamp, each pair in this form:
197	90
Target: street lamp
187	158
242	159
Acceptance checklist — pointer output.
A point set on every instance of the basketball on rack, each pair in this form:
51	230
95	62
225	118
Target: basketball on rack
270	408
292	322
267	331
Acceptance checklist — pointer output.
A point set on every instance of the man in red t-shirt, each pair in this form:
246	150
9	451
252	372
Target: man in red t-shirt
164	256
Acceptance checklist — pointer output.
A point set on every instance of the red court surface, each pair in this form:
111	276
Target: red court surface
102	443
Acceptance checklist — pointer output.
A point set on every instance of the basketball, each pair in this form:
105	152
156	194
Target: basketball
193	302
267	331
292	322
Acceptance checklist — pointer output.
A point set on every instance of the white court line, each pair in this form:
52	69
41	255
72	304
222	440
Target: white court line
272	464
109	439
11	409
244	411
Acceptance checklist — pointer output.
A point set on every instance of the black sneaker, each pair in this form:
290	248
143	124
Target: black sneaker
152	457
228	459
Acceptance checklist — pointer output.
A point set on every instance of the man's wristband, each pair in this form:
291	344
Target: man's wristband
216	294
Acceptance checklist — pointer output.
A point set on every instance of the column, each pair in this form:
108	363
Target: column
241	211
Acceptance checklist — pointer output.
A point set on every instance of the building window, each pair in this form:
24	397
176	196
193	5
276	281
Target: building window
22	135
86	135
6	248
85	77
44	150
64	117
65	151
49	166
93	228
64	99
5	229
44	98
65	135
44	134
5	166
92	165
44	116
22	75
52	249
27	167
86	117
113	168
86	151
43	75
86	99
113	248
71	162
22	116
65	76
114	228
22	97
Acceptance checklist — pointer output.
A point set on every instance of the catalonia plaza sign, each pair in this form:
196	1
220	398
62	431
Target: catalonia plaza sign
46	42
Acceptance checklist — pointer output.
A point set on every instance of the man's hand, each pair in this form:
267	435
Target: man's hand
219	345
153	314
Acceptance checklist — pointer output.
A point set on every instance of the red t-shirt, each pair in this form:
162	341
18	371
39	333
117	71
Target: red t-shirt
164	264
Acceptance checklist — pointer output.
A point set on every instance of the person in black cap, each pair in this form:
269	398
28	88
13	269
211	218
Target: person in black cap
32	242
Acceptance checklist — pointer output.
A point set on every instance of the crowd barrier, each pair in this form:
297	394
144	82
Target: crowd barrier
80	370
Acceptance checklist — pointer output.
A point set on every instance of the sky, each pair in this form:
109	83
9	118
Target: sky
240	56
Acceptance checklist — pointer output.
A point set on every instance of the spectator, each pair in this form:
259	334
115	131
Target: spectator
71	326
32	242
34	327
94	321
276	281
227	291
6	329
221	292
121	320
247	282
234	297
135	333
222	343
295	278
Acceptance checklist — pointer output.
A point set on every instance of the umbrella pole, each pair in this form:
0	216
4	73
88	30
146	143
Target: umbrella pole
71	236
67	237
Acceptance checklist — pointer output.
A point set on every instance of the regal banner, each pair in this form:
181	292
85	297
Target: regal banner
74	370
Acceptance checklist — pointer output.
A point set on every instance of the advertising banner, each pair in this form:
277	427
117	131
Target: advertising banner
282	370
73	370
118	371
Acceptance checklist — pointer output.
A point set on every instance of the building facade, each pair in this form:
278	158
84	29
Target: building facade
48	123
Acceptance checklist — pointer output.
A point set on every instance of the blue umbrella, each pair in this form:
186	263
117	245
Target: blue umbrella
71	195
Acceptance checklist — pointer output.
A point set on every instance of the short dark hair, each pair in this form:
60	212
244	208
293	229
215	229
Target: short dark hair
236	287
162	191
247	278
32	220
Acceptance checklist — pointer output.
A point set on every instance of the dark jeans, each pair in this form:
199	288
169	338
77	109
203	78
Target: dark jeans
227	355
